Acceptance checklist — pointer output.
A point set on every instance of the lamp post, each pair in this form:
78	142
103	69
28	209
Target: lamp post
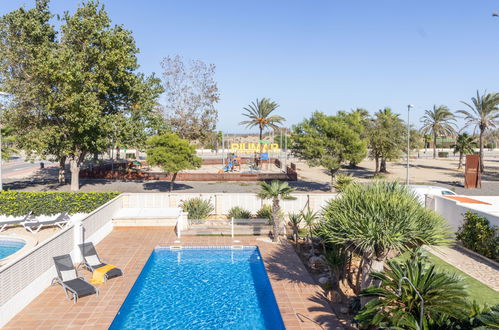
399	293
2	94
408	144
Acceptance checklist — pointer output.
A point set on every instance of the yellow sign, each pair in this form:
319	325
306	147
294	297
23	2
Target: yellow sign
253	147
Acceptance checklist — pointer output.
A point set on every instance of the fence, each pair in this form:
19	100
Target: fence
223	202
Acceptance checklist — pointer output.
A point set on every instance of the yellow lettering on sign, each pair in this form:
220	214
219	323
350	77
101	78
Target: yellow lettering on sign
253	147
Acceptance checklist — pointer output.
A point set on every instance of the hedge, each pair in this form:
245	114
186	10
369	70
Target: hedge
19	203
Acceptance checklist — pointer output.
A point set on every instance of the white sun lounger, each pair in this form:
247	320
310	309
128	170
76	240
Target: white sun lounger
34	225
6	221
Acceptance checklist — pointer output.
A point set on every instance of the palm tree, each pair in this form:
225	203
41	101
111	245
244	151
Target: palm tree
444	296
439	121
275	191
464	145
310	219
259	114
378	219
294	221
483	114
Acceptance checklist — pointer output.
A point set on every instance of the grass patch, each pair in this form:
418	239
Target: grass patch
476	290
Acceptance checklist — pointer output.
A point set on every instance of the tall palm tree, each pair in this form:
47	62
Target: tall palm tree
378	219
464	145
276	191
259	114
483	114
439	121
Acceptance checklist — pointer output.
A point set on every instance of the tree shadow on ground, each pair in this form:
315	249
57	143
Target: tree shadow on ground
302	185
283	264
164	186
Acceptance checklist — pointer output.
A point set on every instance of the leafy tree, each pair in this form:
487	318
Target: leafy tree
357	120
377	219
191	94
464	145
8	142
327	141
275	191
438	122
386	132
172	153
69	93
445	300
483	114
259	114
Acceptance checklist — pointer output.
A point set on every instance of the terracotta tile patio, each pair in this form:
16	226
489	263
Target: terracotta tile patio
300	300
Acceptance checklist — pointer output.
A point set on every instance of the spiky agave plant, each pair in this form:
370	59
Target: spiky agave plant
380	218
294	221
445	298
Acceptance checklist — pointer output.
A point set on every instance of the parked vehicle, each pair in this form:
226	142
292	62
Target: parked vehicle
422	191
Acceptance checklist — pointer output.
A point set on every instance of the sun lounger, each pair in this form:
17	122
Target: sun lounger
67	277
91	261
34	224
6	221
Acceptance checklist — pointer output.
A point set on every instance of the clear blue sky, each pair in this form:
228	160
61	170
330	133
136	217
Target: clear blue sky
320	55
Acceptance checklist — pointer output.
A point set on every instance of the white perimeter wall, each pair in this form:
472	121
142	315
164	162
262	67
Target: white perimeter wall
454	211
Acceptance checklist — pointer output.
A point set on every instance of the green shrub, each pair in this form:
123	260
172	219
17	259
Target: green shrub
477	235
19	203
239	213
342	181
197	208
439	146
265	212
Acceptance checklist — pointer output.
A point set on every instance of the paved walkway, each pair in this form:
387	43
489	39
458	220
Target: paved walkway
485	272
300	300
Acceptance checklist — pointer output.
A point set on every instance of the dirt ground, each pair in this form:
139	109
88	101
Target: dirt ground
421	171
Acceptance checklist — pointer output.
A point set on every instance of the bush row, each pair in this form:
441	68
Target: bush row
19	203
199	209
478	235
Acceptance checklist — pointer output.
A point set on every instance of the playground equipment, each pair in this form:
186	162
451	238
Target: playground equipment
232	162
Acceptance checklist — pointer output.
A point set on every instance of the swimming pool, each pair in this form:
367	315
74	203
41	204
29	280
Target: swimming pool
201	288
10	246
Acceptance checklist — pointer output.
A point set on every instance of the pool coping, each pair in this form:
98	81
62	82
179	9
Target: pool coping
30	242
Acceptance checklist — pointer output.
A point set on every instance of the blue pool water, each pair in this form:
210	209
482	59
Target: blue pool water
8	247
205	288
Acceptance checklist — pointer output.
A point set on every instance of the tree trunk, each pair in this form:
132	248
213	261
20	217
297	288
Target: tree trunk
376	162
460	160
62	170
275	218
172	182
481	149
74	166
332	172
434	145
369	266
382	167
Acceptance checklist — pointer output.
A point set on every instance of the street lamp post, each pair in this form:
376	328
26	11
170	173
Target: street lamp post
408	144
3	94
399	293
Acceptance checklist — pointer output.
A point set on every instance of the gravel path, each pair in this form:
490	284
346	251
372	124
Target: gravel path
485	272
